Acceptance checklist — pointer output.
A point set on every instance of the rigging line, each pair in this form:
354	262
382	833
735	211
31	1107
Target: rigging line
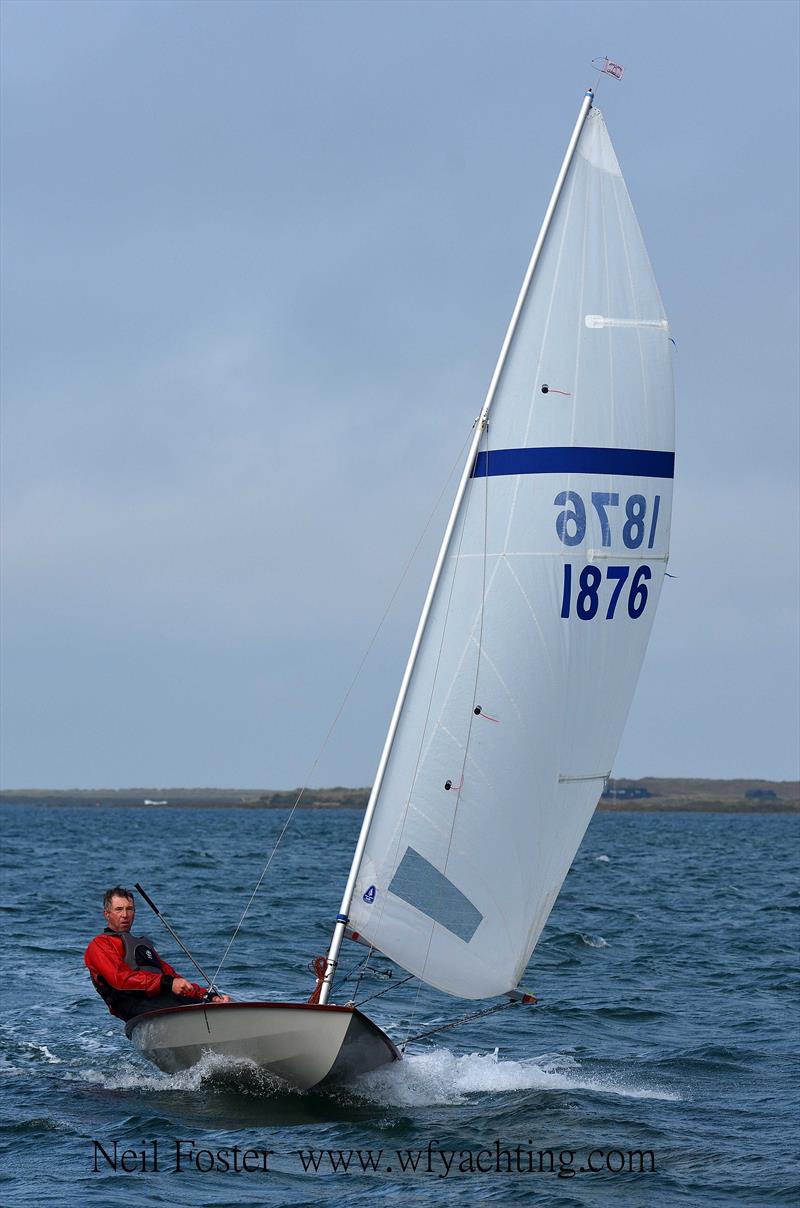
365	968
458	461
386	990
362	970
600	73
357	969
456	1023
359	979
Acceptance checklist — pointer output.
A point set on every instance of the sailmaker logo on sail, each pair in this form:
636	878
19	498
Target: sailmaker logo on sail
369	895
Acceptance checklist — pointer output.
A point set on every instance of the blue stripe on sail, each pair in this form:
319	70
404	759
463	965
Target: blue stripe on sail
574	459
419	883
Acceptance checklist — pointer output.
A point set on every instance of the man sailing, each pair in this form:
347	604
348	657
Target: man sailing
126	970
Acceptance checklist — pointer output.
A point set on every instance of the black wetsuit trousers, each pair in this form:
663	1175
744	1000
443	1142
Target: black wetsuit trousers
134	1007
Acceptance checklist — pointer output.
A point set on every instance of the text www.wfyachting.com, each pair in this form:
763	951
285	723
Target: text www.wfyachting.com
496	1159
431	1161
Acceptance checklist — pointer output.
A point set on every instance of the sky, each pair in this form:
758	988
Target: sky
257	263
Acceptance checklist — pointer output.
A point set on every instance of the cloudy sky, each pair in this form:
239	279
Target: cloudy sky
258	260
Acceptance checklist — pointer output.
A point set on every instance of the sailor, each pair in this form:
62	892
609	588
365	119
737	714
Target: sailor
126	970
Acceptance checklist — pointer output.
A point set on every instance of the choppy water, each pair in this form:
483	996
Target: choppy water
668	1021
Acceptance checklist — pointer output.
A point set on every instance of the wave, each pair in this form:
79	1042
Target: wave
571	939
35	1126
440	1076
213	1071
26	1051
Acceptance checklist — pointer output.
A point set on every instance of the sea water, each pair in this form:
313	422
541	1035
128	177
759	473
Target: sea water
657	1068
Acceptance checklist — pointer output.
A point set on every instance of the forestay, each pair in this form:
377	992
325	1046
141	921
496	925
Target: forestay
539	625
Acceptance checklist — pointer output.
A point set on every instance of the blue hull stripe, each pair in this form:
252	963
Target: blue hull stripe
572	459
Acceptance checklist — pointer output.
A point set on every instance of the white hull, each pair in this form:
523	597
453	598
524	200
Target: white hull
303	1043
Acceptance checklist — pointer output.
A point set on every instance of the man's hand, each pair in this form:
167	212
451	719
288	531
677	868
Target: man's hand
181	986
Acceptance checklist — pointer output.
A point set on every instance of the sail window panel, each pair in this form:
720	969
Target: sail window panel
420	884
484	969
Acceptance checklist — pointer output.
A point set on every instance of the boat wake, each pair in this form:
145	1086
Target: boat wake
438	1076
441	1076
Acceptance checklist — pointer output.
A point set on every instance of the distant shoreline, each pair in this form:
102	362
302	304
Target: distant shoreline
648	795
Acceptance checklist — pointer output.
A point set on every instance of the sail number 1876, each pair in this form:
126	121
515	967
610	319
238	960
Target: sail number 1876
587	592
571	522
593	591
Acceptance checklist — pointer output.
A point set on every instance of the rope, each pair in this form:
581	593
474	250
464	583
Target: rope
359	972
358	969
319	966
456	1023
380	993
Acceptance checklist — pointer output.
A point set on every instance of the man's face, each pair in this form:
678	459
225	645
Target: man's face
120	914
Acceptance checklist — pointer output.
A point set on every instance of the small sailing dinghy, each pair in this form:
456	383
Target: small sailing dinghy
527	651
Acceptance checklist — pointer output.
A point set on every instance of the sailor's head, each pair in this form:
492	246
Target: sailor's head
119	908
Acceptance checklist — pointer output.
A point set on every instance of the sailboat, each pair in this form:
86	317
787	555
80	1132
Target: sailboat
527	652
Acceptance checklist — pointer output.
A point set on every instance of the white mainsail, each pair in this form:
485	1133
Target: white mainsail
539	623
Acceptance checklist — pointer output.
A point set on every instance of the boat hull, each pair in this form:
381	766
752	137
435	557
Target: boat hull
303	1043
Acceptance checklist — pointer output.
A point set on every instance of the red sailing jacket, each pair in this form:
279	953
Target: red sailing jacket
104	958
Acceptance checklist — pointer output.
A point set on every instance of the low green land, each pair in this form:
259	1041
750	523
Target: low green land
646	795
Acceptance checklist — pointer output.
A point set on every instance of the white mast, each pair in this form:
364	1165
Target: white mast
480	426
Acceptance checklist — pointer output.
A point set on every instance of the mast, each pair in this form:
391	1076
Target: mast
480	427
